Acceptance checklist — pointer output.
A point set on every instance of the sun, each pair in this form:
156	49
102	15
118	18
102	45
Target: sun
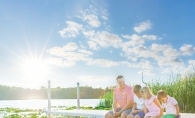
34	69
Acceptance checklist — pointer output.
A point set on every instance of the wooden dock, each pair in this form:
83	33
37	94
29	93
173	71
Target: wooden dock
84	113
94	113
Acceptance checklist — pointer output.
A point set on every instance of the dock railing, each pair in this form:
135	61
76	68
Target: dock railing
84	113
76	112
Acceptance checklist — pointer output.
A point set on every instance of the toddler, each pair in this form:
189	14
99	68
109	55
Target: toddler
169	103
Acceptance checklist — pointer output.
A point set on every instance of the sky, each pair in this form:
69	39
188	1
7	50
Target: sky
94	41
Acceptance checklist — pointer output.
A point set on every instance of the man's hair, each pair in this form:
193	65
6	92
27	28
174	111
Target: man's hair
136	88
119	77
161	94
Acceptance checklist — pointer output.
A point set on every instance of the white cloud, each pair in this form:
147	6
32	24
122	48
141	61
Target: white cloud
86	52
180	70
170	52
149	37
68	55
138	51
102	63
138	40
159	47
187	49
143	26
82	45
90	33
165	55
145	65
173	70
72	29
92	45
146	72
59	62
91	19
70	47
74	56
134	59
104	15
142	64
59	51
106	39
89	78
169	61
191	62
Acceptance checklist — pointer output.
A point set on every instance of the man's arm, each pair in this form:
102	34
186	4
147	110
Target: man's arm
127	106
114	106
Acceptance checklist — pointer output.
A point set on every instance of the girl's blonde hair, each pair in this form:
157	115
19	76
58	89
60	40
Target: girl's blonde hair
146	92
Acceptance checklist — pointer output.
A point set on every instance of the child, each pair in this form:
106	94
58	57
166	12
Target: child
137	110
169	103
152	107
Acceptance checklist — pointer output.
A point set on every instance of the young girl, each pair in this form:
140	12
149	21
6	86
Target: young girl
152	107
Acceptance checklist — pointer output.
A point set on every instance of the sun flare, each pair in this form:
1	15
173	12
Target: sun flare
34	69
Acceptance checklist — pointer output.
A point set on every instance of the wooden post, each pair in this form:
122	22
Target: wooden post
78	96
49	99
143	79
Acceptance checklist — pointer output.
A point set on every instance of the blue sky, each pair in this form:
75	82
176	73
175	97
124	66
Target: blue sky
92	42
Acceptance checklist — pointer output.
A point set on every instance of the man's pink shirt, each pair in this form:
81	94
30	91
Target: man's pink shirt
121	97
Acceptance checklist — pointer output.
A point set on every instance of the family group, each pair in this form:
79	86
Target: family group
139	102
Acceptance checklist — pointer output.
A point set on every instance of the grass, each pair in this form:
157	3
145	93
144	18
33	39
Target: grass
181	88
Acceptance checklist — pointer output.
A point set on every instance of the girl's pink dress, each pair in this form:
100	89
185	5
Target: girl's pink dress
153	109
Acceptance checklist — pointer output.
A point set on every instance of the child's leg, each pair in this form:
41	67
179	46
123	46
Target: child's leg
147	117
137	116
155	117
130	116
140	115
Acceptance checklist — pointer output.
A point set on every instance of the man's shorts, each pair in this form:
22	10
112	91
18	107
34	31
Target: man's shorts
141	114
118	109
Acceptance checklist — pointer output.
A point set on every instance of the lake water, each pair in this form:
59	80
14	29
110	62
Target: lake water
42	104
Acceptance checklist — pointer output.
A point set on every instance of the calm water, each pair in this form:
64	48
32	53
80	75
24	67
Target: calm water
42	104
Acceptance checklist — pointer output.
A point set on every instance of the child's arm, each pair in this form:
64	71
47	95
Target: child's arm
158	104
177	109
134	107
145	109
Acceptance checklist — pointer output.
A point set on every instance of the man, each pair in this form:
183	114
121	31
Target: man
123	100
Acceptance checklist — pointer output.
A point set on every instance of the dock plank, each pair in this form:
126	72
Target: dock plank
99	113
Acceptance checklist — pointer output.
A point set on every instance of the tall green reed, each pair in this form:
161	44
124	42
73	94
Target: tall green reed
181	88
107	100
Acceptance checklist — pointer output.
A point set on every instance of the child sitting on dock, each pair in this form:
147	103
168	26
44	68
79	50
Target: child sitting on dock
152	107
138	106
169	103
